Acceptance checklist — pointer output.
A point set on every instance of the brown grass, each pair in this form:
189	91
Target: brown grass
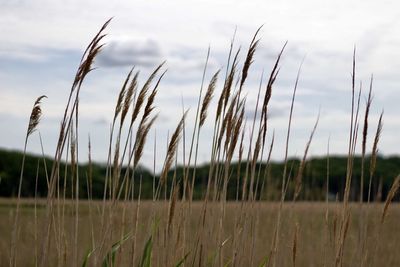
310	242
172	229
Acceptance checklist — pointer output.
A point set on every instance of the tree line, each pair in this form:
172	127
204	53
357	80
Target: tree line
323	177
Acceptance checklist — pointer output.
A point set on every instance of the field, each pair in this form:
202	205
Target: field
70	228
251	238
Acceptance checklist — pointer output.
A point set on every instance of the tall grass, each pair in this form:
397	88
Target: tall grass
173	230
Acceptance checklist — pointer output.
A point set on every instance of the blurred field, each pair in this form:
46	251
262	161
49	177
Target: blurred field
315	241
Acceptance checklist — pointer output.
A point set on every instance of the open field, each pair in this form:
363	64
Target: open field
182	227
248	230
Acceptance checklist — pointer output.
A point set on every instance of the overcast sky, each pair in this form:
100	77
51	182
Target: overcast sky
42	42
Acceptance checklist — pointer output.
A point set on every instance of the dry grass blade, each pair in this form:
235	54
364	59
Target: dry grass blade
143	92
367	108
33	123
349	168
266	175
171	211
364	139
268	91
173	144
257	147
128	97
141	140
354	124
144	127
89	55
238	173
115	170
207	98
195	126
226	91
121	96
35	115
299	176
231	77
227	121
374	155
73	150
84	68
284	178
96	39
150	100
249	57
90	168
294	248
376	141
62	134
393	190
237	126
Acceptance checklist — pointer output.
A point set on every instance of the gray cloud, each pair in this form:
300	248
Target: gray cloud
31	54
273	112
146	54
120	53
101	121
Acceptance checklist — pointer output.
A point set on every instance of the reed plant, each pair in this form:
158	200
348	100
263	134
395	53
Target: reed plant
175	230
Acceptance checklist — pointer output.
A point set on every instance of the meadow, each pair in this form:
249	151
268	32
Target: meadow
307	238
176	229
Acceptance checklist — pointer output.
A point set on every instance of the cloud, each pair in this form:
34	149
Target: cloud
31	54
189	71
101	121
22	54
146	54
275	112
129	52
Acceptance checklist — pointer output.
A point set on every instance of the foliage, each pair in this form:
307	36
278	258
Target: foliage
314	181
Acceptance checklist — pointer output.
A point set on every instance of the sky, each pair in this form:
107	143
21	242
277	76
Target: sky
42	42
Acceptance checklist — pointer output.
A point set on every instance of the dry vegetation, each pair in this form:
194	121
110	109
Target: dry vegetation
173	230
315	238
